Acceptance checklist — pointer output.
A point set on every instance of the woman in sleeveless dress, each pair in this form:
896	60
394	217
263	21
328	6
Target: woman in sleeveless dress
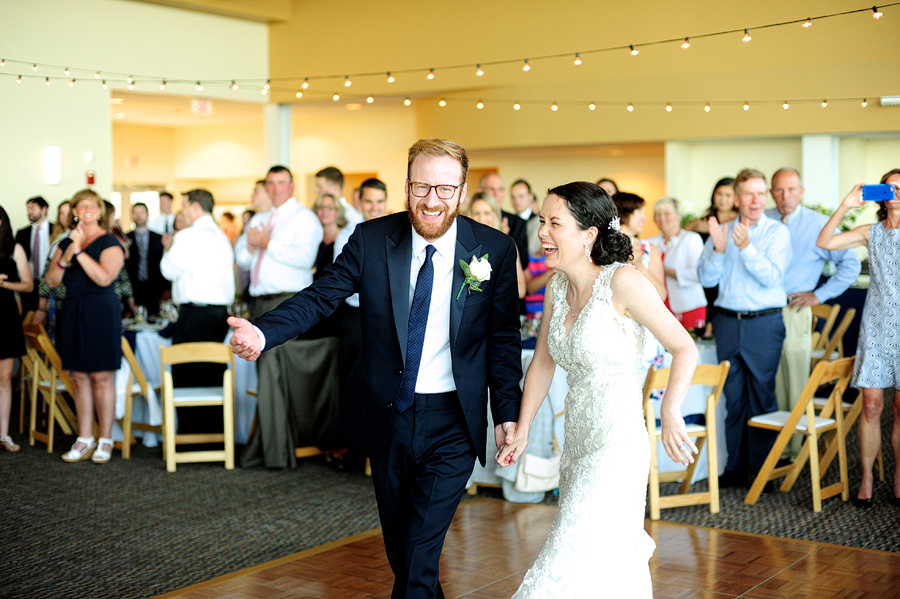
878	352
15	276
595	311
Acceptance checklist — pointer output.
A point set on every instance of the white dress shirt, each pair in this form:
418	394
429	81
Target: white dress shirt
340	241
436	366
682	254
200	265
351	214
293	247
162	224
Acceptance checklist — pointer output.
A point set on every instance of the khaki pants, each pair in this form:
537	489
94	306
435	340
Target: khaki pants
793	369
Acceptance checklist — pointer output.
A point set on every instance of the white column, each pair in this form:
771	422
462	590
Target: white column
820	168
278	134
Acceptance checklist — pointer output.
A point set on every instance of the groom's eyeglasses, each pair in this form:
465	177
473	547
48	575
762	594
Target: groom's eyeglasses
444	192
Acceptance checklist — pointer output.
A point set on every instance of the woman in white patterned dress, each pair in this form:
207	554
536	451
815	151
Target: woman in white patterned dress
594	318
878	352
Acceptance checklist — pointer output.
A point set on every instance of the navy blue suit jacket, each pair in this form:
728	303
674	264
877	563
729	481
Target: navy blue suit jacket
484	327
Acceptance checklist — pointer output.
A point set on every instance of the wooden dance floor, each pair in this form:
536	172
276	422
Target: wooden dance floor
492	543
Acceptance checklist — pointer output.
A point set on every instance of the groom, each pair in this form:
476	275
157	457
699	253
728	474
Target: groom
435	338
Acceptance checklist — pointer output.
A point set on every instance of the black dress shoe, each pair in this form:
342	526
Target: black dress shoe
733	479
865	504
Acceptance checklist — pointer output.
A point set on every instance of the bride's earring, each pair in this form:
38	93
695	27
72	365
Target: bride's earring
587	251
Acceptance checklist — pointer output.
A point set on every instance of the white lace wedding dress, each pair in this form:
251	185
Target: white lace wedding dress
597	546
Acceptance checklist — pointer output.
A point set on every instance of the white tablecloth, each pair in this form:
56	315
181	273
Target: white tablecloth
147	353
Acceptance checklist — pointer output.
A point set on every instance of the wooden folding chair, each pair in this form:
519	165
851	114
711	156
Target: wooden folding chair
52	383
828	314
829	425
27	368
186	353
834	348
137	386
712	375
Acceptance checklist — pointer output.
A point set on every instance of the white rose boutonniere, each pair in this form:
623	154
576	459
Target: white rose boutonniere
477	271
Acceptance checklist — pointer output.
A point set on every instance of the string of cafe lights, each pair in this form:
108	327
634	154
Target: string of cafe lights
106	78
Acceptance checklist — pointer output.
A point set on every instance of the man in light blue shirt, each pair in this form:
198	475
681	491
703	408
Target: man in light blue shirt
802	285
747	259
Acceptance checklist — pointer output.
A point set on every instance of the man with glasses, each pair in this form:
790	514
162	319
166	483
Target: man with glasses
435	338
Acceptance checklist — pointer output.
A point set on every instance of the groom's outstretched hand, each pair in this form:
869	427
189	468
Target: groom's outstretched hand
244	342
511	442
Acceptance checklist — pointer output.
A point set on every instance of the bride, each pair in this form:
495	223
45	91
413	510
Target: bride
594	314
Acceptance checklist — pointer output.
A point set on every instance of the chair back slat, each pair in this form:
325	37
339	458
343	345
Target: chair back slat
828	314
205	352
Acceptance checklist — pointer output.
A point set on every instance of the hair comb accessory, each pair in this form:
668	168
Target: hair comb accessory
615	224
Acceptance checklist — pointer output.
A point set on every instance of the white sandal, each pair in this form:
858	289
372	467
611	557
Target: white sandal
77	455
101	455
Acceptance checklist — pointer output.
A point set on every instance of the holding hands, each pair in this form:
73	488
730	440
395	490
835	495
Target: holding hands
244	342
511	443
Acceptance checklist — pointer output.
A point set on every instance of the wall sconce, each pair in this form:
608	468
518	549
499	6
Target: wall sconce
53	164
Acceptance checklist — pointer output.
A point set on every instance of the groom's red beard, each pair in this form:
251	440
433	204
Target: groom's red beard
429	230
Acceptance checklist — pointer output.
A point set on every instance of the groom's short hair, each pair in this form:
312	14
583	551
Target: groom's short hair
437	148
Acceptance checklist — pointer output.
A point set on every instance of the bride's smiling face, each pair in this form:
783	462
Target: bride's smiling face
562	240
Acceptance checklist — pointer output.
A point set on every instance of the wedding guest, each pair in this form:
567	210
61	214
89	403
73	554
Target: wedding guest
165	222
331	214
89	338
721	206
50	300
680	251
15	277
35	240
229	226
878	353
331	180
142	262
646	256
747	258
484	209
609	186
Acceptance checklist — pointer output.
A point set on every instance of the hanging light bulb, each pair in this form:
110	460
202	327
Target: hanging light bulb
634	51
824	103
162	86
554	107
104	86
336	97
864	103
235	86
97	75
130	79
630	107
131	87
746	106
2	62
267	84
67	71
407	101
305	83
34	68
526	67
430	74
785	105
668	107
442	103
199	87
517	106
706	107
72	83
299	95
807	23
577	59
746	37
592	106
479	71
19	80
390	78
480	105
686	43
877	13
347	82
47	81
263	91
370	99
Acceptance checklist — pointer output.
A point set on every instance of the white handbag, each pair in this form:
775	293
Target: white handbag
537	473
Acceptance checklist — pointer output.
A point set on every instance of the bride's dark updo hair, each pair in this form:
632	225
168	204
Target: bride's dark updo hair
592	207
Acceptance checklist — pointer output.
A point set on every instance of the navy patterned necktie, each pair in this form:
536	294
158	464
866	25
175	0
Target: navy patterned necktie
418	318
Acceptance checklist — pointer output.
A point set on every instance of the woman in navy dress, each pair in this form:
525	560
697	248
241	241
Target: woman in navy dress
89	338
15	276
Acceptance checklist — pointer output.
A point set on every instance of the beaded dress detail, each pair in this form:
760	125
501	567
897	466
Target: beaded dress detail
597	546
